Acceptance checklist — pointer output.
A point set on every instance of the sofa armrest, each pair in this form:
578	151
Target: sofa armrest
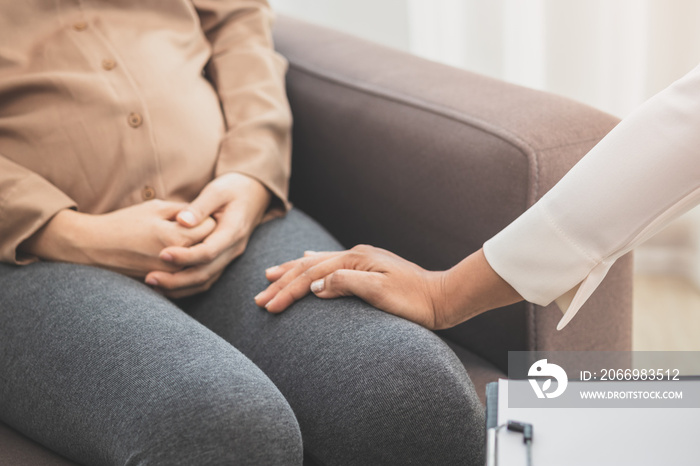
430	161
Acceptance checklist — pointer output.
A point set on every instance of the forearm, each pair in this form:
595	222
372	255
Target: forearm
128	240
56	240
469	289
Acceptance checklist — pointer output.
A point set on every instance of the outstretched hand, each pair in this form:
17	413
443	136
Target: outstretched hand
375	275
435	300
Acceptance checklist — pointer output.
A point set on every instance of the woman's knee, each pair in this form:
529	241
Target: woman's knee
402	395
219	423
430	402
133	378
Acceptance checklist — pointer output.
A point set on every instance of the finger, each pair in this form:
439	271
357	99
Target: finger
187	237
293	269
276	272
191	277
365	285
209	201
205	228
223	237
342	282
297	282
166	209
199	254
190	291
139	266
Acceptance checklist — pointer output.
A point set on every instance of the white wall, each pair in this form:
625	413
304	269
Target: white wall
383	21
612	54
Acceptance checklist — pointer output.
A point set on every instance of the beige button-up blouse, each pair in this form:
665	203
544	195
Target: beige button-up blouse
105	104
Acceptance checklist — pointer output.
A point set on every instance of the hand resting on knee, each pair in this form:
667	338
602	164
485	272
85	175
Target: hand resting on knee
435	300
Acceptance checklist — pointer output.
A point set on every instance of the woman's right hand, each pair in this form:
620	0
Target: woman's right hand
127	240
382	278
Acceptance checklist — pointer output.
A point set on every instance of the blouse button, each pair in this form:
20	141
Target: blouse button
80	26
108	64
135	120
148	193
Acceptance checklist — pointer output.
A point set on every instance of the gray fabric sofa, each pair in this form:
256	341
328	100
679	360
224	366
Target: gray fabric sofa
429	162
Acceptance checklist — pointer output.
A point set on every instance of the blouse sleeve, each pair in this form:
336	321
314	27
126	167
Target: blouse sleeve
27	202
642	175
249	77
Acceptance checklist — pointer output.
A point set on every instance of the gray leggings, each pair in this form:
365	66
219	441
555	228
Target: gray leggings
104	371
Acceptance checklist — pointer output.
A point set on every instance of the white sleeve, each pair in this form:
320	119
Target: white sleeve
642	175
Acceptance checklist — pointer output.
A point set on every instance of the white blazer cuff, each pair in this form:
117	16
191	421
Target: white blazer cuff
543	264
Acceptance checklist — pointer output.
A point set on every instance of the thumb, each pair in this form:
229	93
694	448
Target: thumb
346	282
208	202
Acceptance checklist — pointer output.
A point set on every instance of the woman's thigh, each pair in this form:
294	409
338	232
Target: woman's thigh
366	387
104	371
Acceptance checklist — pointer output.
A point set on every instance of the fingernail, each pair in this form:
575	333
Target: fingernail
267	306
257	296
310	253
151	281
187	217
272	269
318	285
167	257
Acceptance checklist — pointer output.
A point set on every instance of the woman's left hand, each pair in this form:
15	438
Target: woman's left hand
375	275
238	203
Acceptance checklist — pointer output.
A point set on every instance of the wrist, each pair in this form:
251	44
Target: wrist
260	195
242	186
452	299
469	289
258	198
439	299
59	239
